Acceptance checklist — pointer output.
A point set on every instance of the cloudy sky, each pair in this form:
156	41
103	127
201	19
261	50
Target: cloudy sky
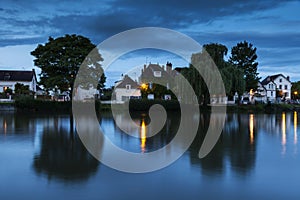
271	26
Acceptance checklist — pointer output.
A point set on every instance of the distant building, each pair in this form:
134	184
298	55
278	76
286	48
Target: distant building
9	78
277	86
154	72
126	89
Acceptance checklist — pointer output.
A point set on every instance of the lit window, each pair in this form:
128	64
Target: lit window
157	73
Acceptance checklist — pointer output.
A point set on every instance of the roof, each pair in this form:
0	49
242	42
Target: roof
17	75
272	78
127	81
148	72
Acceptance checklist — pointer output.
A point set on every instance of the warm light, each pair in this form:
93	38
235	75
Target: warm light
5	126
143	136
295	127
251	92
251	128
283	128
144	86
295	93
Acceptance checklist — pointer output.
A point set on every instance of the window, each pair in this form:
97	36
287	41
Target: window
280	87
271	93
128	87
269	86
6	76
280	80
157	73
285	87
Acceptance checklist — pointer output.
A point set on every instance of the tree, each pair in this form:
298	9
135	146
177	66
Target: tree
22	89
61	58
217	52
243	56
296	89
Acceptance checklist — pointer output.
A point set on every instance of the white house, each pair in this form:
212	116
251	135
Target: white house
267	89
275	85
126	89
9	78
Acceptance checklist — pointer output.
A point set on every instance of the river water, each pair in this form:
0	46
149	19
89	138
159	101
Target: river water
256	157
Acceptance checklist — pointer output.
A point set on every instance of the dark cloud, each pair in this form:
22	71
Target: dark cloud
32	22
123	15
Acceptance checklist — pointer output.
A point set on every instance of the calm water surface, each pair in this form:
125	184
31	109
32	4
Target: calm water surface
256	157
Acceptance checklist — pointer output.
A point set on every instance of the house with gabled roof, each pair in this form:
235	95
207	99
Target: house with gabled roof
9	78
275	86
126	89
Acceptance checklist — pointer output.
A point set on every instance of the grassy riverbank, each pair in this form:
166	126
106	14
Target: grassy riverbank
32	105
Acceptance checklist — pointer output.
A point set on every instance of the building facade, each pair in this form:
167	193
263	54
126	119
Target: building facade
126	89
9	78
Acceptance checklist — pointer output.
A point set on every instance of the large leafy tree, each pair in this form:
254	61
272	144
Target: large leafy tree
243	56
232	76
61	58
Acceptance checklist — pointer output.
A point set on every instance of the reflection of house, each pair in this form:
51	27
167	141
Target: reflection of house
9	78
274	83
126	89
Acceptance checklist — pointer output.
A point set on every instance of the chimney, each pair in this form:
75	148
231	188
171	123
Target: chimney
288	78
169	67
144	67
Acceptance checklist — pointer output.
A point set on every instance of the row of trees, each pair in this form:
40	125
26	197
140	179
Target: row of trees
61	58
239	73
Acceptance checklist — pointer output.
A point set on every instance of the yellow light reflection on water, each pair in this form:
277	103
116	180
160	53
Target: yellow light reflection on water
295	127
5	126
143	136
251	128
283	129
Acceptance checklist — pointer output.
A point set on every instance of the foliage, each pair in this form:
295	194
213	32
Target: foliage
231	75
27	103
243	56
158	90
60	59
22	89
8	91
296	89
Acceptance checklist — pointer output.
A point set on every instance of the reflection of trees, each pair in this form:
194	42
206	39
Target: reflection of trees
17	123
213	162
242	144
63	156
237	144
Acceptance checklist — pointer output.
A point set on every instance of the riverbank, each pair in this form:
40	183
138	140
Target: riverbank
31	105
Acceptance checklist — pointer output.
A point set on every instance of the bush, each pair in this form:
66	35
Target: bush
27	103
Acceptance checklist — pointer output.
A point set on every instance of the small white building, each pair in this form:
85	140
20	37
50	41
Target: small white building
9	78
126	89
275	85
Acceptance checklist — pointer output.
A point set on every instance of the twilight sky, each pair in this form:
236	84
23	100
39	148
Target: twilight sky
271	26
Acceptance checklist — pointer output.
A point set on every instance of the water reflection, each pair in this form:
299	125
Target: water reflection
283	128
251	128
143	136
62	154
295	127
235	150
